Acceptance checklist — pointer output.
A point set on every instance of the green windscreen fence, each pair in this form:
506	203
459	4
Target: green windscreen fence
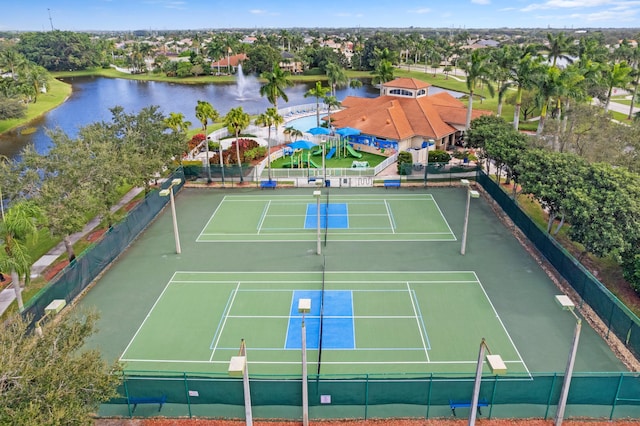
613	391
70	282
616	316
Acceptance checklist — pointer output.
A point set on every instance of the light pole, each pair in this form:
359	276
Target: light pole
238	366
317	195
304	307
470	194
169	192
497	367
567	305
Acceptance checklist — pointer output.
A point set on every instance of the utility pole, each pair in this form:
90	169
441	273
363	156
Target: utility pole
50	20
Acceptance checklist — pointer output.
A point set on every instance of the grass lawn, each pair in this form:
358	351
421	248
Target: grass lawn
58	92
337	163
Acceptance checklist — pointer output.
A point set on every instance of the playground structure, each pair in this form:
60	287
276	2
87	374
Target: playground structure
337	147
300	159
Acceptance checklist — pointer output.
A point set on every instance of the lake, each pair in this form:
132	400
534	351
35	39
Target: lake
92	98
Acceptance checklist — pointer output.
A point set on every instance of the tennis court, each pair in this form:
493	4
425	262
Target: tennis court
363	322
341	217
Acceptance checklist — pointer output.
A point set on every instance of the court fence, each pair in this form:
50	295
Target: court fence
615	315
592	395
85	268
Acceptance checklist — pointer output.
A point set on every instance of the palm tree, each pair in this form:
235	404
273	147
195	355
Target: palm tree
523	74
478	71
336	76
268	119
19	225
236	121
382	73
560	46
615	75
548	85
331	102
503	60
317	92
12	60
177	123
635	76
293	133
277	81
37	78
204	113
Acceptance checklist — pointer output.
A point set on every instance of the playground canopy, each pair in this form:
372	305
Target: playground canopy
348	131
302	144
319	131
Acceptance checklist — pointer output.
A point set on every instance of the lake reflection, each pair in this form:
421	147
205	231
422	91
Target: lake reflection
93	97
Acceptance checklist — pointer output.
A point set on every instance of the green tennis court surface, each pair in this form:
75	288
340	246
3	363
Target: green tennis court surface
392	217
382	322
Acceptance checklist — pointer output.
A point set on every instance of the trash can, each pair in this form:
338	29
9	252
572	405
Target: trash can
327	183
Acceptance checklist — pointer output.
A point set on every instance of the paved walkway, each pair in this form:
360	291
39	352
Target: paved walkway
7	296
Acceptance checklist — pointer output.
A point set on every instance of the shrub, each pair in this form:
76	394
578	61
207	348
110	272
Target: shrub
405	162
11	108
439	156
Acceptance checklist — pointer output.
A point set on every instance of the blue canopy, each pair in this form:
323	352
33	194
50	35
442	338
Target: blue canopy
319	131
348	131
302	144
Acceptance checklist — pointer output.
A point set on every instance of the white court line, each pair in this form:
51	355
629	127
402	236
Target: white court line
263	217
221	327
503	326
415	312
392	222
147	317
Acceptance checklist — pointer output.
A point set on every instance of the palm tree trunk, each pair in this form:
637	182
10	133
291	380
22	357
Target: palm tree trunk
15	281
633	100
469	110
269	152
606	105
238	157
543	116
516	112
221	161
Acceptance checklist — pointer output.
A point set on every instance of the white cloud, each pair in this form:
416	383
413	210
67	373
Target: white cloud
420	11
258	12
568	4
481	1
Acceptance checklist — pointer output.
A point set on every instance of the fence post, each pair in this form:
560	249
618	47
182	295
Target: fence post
186	390
553	384
615	400
493	395
126	393
429	394
366	396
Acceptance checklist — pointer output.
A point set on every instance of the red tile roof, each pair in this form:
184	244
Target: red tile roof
407	83
400	118
233	60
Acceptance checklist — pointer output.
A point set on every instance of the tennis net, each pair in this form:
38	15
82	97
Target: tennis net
324	259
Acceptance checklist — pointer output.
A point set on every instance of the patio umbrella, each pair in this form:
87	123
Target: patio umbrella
319	131
348	131
302	144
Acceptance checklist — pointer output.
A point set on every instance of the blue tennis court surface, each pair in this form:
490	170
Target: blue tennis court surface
332	216
337	324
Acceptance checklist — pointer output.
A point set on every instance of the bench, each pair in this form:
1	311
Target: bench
268	184
467	404
392	183
147	400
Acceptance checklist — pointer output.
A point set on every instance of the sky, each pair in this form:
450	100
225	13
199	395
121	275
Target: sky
87	15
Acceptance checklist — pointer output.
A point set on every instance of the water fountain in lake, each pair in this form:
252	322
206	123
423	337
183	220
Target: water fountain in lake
247	87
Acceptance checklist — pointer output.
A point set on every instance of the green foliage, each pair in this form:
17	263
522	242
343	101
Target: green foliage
59	50
631	270
51	380
405	162
439	156
11	108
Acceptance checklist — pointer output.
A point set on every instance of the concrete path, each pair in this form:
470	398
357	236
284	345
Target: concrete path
7	296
